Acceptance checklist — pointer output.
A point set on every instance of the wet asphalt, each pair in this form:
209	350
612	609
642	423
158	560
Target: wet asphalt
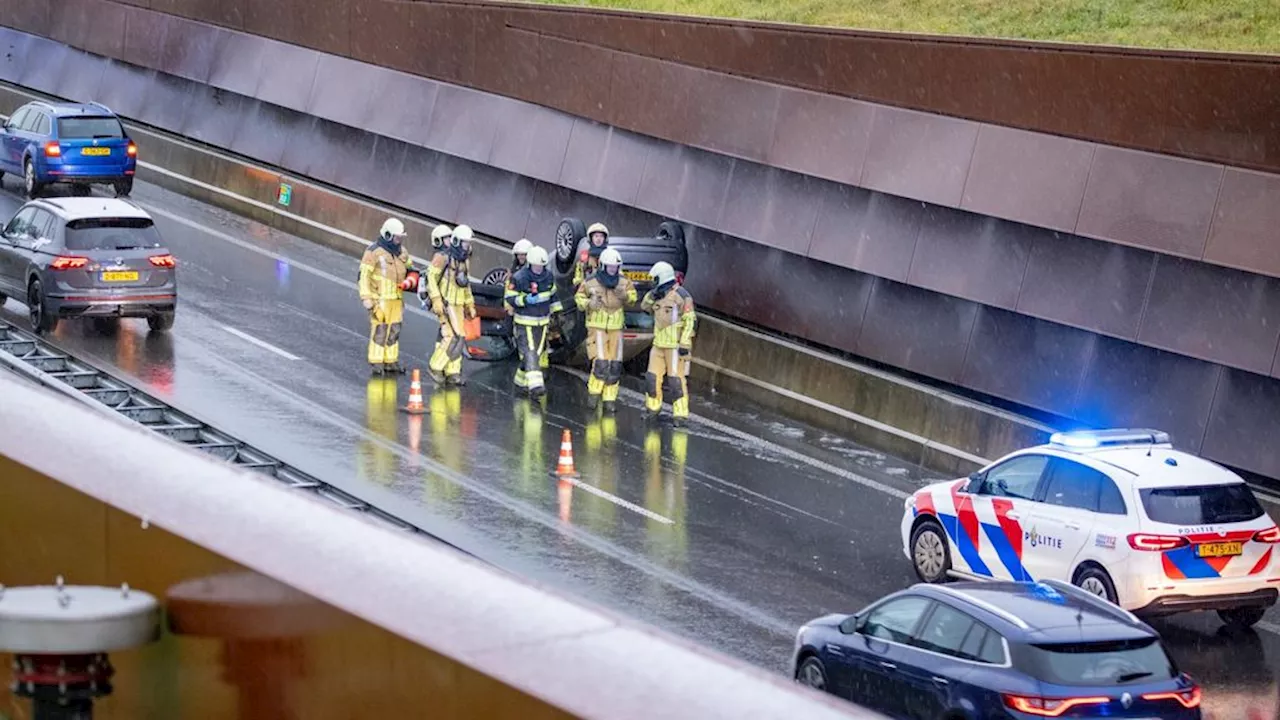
731	532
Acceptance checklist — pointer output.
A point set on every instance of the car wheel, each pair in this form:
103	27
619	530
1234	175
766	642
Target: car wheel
672	231
1095	581
812	674
1242	617
929	552
42	320
30	185
496	276
569	234
161	321
123	187
105	325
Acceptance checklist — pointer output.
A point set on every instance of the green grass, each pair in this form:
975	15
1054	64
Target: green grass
1232	25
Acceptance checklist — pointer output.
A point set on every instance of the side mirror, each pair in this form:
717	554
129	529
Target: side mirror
851	624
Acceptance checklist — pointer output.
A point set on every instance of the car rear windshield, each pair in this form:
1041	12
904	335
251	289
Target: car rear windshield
112	234
87	128
1098	663
1201	505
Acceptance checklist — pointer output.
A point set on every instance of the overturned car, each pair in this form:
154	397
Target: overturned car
568	329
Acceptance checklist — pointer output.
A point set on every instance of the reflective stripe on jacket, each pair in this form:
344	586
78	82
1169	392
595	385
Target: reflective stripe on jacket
613	315
674	318
382	273
533	296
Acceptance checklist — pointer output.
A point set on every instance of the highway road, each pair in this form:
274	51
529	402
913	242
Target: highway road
731	532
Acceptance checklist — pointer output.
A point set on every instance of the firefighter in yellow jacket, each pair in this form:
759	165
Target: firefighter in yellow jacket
448	287
604	298
386	271
589	258
674	321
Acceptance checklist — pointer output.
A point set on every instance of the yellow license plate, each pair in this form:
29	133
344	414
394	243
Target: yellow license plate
637	275
95	151
120	276
1220	549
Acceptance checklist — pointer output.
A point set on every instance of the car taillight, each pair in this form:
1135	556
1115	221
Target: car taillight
1156	543
1049	707
1187	698
68	262
1270	535
165	261
52	149
132	150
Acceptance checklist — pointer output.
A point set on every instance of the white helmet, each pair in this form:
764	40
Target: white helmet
598	228
662	273
392	228
462	233
521	247
538	256
610	257
440	234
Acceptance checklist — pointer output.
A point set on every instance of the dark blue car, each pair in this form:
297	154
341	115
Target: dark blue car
68	143
995	650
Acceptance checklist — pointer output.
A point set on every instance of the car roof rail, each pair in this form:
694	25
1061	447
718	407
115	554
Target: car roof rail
1101	603
1119	437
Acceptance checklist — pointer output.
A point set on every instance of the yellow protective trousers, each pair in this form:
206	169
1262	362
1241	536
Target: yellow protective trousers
604	348
531	340
447	357
667	367
384	331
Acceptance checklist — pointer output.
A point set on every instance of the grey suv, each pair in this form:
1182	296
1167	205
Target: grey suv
99	258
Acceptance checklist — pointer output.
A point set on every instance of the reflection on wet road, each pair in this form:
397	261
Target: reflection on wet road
731	532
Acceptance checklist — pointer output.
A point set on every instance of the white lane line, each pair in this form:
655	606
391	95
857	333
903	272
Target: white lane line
617	500
260	343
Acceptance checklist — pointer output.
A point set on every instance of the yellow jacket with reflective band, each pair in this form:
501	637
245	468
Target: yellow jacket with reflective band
613	314
443	278
381	273
673	318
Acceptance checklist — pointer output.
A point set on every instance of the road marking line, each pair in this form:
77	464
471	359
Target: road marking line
617	500
260	343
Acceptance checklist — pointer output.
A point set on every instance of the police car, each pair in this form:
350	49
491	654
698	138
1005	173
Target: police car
1119	513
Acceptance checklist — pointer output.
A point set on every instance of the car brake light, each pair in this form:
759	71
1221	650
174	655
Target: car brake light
53	149
132	150
1270	535
1187	698
1156	543
1049	707
166	260
68	262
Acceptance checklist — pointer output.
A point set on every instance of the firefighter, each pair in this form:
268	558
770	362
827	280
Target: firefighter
589	258
674	320
532	292
386	271
440	236
448	287
520	255
604	298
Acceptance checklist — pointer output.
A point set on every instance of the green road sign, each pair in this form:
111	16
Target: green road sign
285	194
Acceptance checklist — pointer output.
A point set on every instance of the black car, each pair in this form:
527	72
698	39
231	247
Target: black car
568	330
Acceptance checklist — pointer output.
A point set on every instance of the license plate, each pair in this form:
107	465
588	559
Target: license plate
640	275
1219	549
95	151
120	276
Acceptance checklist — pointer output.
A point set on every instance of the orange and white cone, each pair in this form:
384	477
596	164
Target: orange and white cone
564	468
415	406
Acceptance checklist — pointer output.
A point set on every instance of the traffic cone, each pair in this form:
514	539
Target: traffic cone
564	468
415	406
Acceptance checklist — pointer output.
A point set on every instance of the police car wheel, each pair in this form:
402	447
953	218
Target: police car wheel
929	552
1096	581
1242	617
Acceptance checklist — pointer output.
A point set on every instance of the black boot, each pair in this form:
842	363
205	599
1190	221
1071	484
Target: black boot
395	368
455	381
610	407
593	401
677	421
376	369
436	376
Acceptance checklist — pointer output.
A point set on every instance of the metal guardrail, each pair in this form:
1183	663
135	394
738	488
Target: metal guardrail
37	360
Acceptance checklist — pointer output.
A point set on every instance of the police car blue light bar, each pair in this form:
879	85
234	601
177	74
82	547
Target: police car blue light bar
1090	439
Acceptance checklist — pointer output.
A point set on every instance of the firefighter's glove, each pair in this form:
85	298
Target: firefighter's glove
469	312
368	304
437	306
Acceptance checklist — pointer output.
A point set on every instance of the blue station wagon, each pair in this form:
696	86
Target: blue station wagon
970	651
65	143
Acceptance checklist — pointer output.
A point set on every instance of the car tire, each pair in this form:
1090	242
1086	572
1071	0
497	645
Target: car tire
42	320
569	234
161	321
123	187
811	673
31	186
1242	617
672	231
930	555
1095	581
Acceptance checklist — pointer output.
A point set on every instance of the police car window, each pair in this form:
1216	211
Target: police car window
1016	478
896	619
1073	485
945	630
1110	501
1201	505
